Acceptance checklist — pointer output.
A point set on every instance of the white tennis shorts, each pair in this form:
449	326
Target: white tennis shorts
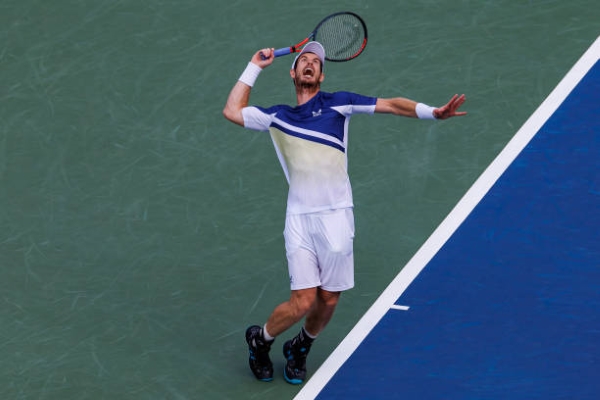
319	248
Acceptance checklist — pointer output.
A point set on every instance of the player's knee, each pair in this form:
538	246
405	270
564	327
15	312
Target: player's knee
329	299
302	301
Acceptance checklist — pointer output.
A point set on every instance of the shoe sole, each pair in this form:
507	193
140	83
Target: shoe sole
291	381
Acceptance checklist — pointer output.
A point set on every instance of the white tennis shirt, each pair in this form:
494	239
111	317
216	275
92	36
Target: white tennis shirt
311	142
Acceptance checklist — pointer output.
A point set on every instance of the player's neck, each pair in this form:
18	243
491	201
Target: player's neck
305	94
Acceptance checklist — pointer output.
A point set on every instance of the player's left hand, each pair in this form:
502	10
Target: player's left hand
449	110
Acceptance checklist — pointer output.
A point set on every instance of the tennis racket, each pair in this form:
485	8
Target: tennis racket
343	35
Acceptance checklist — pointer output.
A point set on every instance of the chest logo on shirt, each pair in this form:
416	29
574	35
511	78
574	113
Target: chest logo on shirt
316	113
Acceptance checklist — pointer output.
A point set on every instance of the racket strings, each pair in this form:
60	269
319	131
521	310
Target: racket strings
342	36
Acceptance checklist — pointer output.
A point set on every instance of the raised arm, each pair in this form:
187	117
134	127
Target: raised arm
240	93
409	108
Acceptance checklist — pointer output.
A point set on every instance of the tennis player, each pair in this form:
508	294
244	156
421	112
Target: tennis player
311	143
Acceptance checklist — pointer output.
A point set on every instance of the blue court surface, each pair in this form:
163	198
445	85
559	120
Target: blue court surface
503	300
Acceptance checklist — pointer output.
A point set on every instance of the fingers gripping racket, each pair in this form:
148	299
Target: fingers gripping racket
343	35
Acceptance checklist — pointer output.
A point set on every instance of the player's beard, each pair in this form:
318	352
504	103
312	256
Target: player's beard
304	85
311	83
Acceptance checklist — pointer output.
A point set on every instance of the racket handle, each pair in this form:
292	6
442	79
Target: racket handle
284	51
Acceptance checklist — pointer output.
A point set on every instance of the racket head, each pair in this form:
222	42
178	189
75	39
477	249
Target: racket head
343	35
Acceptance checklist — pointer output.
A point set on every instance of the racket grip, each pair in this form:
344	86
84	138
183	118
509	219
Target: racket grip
284	51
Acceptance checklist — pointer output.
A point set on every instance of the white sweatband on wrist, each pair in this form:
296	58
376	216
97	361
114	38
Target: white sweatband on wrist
250	74
424	111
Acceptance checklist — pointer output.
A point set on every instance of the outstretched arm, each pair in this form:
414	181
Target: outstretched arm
240	93
409	108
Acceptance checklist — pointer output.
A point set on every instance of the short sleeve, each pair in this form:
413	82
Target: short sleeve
353	103
256	118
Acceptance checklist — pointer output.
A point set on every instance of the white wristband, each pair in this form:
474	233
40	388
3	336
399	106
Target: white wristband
424	111
250	74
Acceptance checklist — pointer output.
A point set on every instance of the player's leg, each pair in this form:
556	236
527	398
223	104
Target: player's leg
296	350
320	314
283	317
288	313
333	237
304	280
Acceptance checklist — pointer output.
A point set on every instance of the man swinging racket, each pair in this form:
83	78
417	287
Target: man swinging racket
311	143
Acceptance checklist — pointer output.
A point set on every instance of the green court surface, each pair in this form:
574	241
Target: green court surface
141	233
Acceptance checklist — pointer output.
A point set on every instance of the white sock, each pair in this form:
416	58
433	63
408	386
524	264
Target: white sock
266	335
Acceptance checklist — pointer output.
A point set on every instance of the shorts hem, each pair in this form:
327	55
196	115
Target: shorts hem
328	288
337	289
306	286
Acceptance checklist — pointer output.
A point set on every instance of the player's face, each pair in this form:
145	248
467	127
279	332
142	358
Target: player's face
308	71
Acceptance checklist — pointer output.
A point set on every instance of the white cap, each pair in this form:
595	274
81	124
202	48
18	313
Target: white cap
312	47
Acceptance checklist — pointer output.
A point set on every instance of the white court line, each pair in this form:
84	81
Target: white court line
401	308
449	225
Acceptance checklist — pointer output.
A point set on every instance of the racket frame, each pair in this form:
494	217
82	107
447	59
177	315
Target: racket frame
297	48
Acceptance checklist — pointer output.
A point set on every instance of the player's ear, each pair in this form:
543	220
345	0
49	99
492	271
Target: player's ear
322	77
293	74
